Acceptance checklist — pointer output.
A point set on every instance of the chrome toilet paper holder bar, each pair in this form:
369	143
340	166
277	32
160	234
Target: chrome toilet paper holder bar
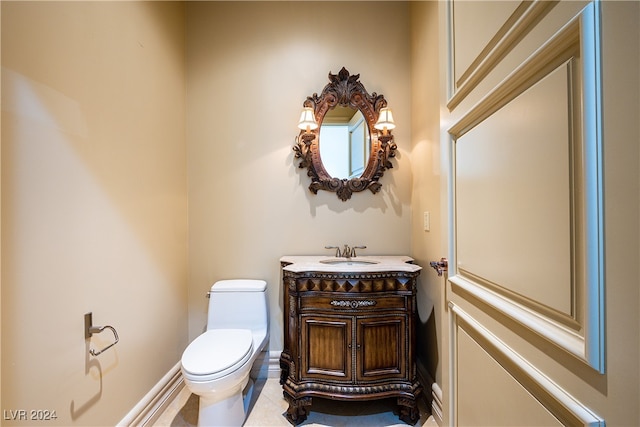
89	330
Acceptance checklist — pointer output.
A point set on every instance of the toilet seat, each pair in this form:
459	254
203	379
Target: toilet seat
216	353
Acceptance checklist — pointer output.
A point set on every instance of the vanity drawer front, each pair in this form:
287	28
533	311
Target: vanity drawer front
338	303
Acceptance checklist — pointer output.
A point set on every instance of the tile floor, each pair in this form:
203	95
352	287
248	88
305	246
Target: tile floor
268	407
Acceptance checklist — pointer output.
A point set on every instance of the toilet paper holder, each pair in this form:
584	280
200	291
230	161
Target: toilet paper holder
89	330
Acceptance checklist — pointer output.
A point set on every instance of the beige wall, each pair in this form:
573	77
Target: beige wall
621	90
248	76
94	212
427	182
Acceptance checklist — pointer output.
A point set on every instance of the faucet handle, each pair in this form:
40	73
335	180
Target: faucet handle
353	250
336	248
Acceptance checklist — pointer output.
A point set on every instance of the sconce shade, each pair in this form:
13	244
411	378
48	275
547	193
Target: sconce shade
385	120
307	119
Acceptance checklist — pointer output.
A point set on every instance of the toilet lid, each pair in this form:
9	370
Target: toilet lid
217	350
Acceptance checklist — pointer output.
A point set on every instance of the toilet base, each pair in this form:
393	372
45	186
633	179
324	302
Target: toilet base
228	412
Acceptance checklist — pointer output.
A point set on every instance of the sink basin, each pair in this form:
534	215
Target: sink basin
348	261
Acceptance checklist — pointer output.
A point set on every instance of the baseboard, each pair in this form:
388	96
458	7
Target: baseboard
267	365
153	404
434	398
436	403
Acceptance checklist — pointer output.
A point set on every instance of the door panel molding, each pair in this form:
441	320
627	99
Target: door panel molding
563	337
581	330
514	29
557	401
514	193
561	48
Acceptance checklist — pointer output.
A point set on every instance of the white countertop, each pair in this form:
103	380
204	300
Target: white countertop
359	264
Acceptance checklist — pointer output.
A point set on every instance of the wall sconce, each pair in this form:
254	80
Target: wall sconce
385	121
307	120
302	149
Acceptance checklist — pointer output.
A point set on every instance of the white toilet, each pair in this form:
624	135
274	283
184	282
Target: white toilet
216	365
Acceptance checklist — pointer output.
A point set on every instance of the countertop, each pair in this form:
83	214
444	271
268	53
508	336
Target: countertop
300	263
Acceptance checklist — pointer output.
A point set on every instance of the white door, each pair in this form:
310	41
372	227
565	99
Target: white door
542	312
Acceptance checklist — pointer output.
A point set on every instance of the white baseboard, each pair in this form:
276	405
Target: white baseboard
436	392
267	365
151	406
436	403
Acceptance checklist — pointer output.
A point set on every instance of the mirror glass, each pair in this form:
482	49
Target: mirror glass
344	142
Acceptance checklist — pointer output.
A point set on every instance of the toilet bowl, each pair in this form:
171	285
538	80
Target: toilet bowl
216	365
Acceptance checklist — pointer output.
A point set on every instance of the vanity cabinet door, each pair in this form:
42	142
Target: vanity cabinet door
381	348
325	343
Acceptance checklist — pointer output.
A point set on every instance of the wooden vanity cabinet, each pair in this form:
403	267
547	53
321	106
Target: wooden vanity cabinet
349	336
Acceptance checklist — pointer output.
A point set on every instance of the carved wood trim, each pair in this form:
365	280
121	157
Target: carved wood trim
345	90
412	388
353	303
351	282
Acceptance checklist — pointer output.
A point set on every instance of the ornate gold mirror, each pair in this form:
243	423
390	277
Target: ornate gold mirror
344	140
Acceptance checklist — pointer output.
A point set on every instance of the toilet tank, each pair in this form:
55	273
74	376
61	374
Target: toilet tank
238	303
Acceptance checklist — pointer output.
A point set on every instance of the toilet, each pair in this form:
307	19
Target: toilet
216	365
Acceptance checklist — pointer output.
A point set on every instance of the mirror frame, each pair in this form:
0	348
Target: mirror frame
345	90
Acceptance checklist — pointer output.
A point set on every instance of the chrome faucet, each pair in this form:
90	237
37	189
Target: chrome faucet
346	252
